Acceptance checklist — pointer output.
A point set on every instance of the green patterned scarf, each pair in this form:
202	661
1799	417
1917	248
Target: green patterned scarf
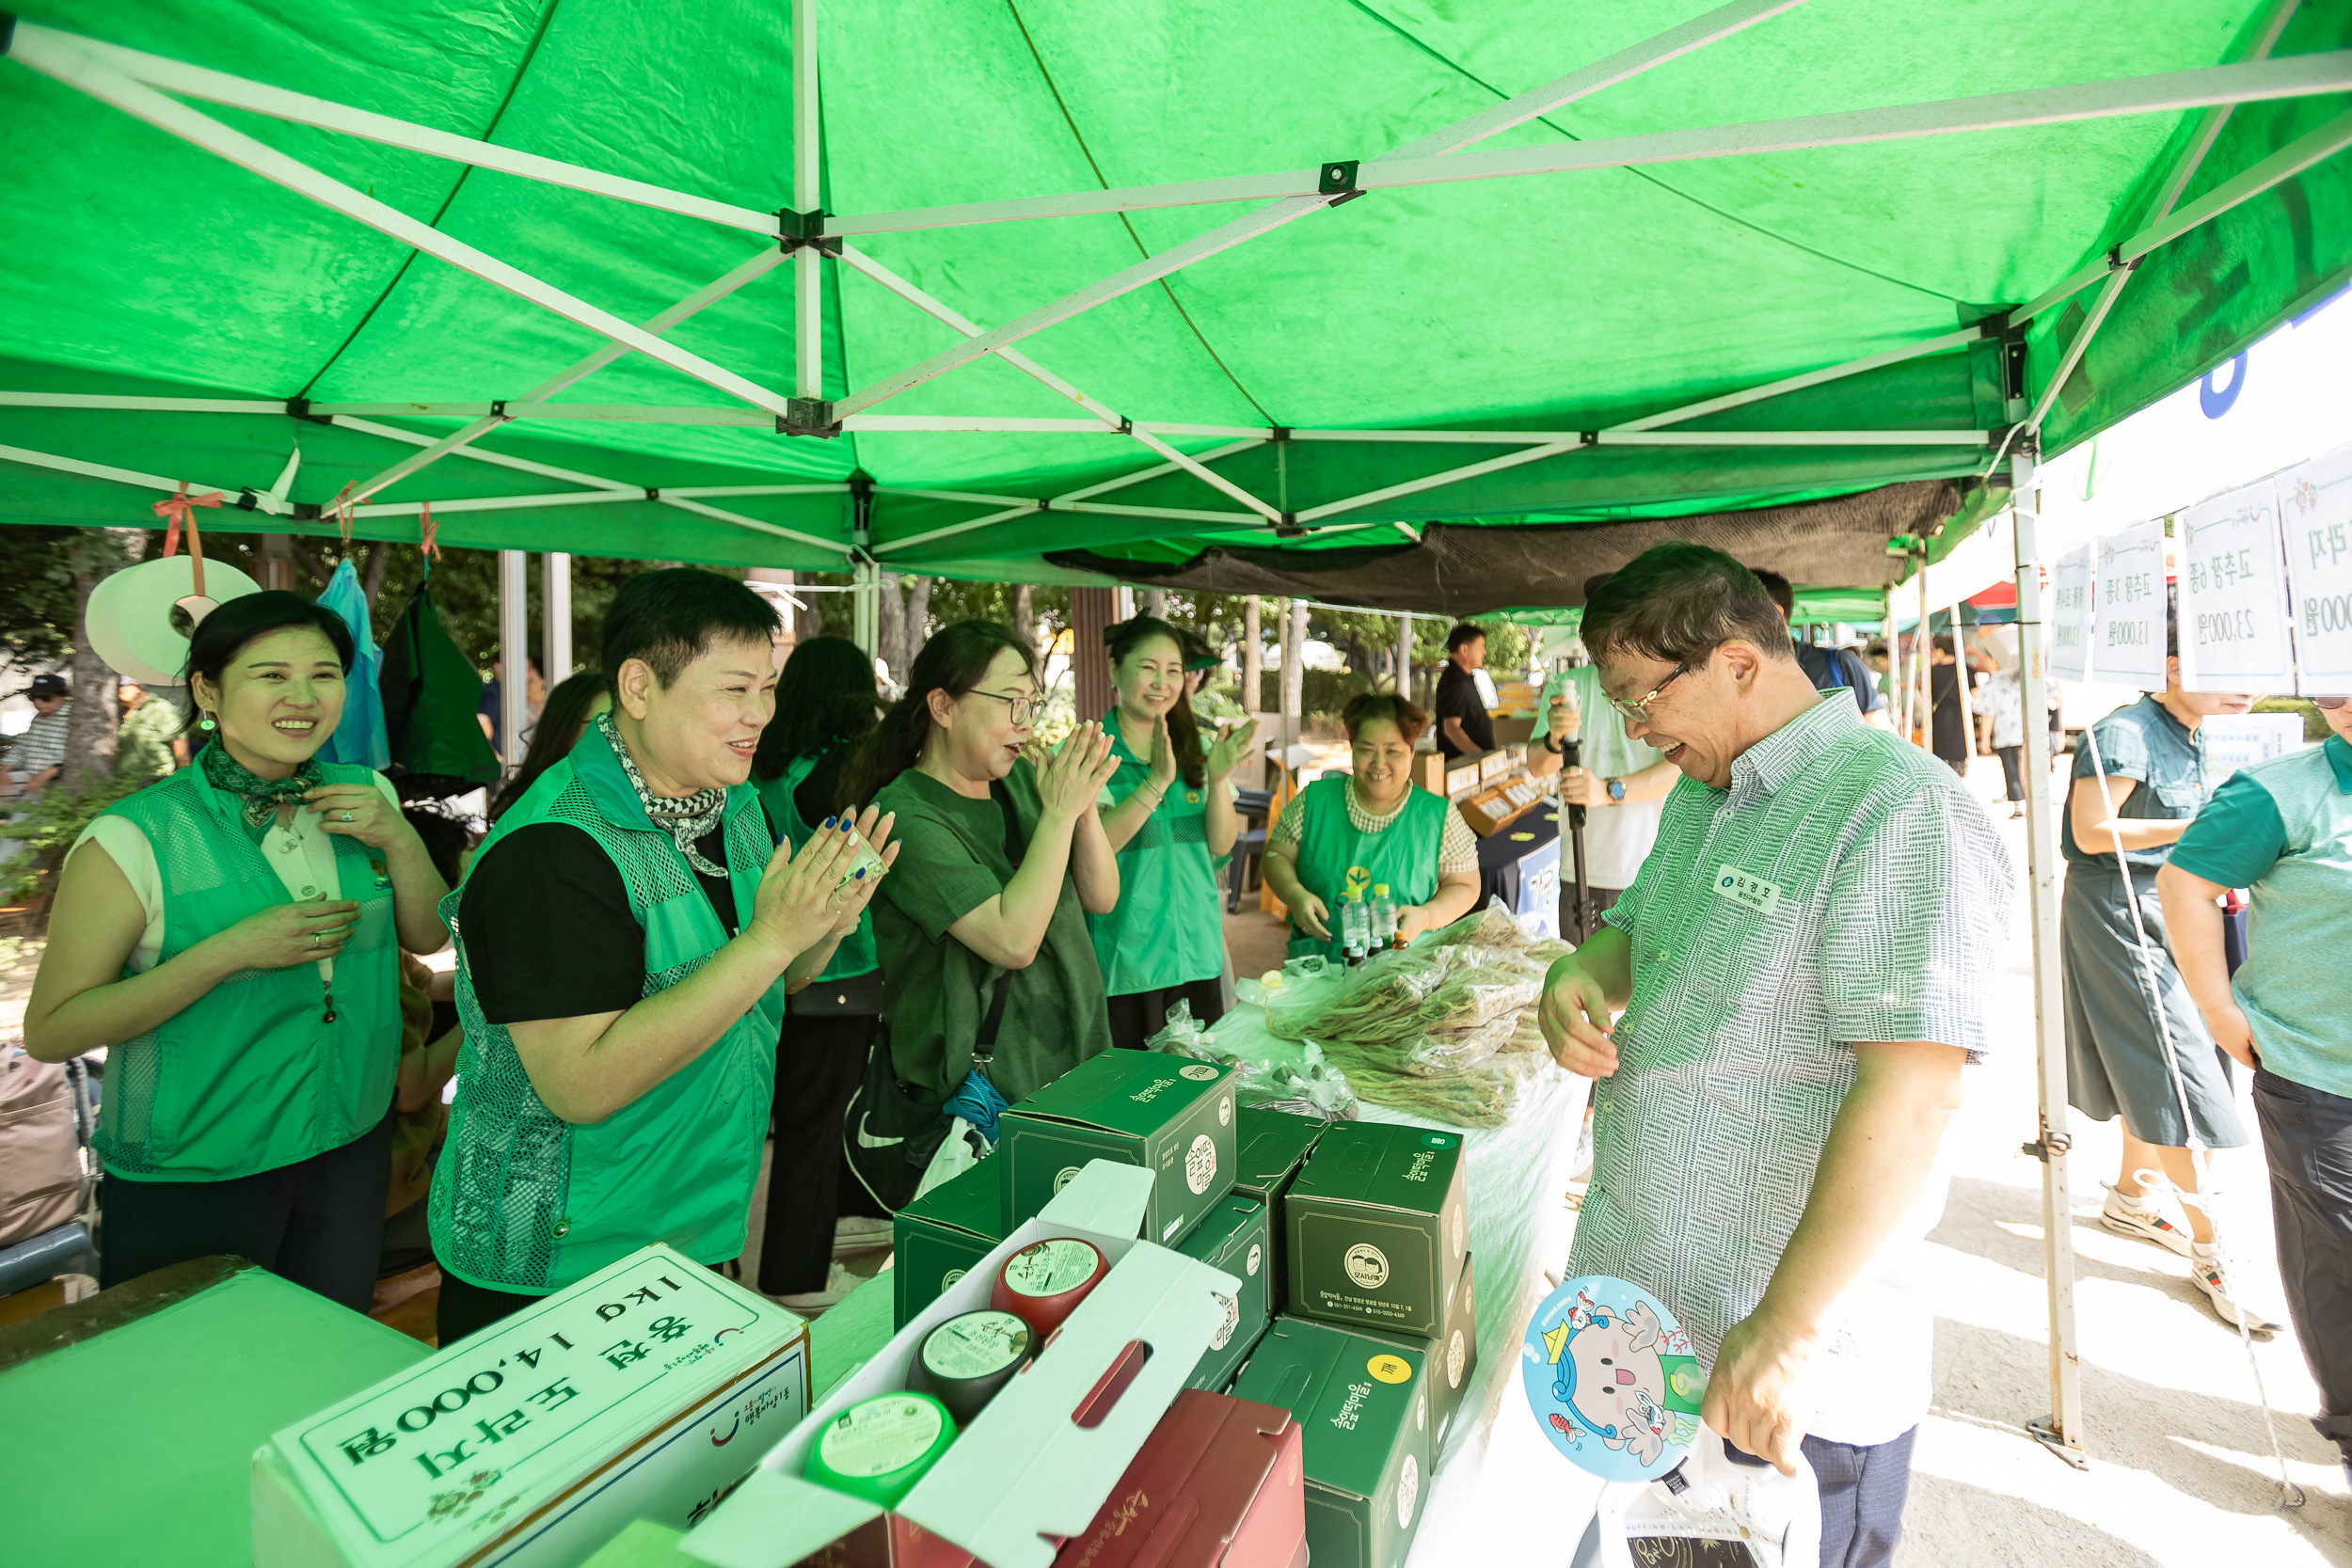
261	797
685	820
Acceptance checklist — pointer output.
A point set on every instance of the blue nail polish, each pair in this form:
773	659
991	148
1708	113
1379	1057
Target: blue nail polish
829	821
861	875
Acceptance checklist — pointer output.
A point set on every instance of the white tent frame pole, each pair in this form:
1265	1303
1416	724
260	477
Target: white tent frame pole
514	651
2168	92
808	276
1431	482
718	289
520	465
263	500
87	75
555	616
1208	476
497	503
2063	1430
1798	382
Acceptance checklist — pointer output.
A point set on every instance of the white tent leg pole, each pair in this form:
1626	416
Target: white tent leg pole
514	651
2063	1430
808	262
555	614
1925	644
866	606
1405	657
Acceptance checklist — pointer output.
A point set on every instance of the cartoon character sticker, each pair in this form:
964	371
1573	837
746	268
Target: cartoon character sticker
1612	1379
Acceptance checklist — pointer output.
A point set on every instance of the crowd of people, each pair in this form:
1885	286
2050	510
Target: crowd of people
719	900
148	739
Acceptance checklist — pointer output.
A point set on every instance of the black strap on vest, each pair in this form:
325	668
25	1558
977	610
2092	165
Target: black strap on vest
1016	846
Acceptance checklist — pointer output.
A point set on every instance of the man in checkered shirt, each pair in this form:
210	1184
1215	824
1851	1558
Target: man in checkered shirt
38	753
1800	965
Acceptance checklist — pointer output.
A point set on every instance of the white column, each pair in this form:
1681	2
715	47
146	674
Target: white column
555	616
514	650
1293	674
1405	657
2065	1426
866	607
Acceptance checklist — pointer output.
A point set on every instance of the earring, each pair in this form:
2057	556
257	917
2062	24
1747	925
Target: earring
205	723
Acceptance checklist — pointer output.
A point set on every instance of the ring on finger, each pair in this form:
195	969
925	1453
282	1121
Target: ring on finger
347	816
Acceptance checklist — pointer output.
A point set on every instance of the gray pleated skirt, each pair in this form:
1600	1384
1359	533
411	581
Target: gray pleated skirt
2115	1064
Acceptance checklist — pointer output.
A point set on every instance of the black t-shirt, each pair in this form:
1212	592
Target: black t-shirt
1829	669
548	929
1457	698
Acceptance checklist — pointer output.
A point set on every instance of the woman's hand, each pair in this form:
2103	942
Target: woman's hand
2233	1033
1163	770
1231	746
876	837
360	810
1412	920
804	894
1072	778
1312	915
284	935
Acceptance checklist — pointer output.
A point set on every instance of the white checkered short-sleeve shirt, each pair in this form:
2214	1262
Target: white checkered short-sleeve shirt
1845	889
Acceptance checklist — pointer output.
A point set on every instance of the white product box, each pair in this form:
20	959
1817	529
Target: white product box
645	1392
1035	1466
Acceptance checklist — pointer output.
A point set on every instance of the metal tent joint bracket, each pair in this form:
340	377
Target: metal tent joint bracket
2047	1145
307	512
805	230
1337	180
1045	503
1588	438
1277	434
1289	527
1126	425
498	409
652	494
247	501
808	417
300	408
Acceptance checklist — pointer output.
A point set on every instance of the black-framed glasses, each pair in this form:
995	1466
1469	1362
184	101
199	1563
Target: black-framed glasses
1021	710
1638	709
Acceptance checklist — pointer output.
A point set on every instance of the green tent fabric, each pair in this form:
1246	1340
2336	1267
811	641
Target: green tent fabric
146	267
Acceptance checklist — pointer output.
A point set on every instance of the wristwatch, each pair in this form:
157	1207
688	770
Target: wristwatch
1617	791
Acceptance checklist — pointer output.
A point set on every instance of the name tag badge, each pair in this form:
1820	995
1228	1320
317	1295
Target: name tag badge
1747	890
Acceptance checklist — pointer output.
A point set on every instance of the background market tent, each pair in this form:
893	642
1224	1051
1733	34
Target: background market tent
1518	282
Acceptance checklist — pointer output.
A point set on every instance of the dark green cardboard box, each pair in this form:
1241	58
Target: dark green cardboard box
1377	1226
1170	1114
943	1233
1269	1148
1235	1238
1451	1353
1363	1412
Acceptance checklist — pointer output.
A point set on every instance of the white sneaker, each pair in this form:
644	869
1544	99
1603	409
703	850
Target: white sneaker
839	1282
2204	1272
859	1234
2155	1216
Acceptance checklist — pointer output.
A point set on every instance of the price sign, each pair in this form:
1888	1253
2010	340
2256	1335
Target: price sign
2070	616
2127	596
2315	509
2233	594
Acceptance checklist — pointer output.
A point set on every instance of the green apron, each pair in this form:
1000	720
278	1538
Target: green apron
855	955
1168	928
250	1076
1337	859
525	1201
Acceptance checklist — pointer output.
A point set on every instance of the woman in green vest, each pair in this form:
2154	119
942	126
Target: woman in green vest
1165	943
826	703
1006	858
1340	839
228	932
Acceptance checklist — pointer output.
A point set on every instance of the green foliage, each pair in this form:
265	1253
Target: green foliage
50	824
37	592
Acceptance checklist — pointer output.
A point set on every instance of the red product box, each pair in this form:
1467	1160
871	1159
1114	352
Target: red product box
1217	1484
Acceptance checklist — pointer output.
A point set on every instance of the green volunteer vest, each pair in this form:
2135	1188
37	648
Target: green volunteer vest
855	955
2293	983
1337	859
525	1201
1169	926
250	1076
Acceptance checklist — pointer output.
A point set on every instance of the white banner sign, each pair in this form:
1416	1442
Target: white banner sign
2070	616
2316	506
2233	594
2128	611
2231	743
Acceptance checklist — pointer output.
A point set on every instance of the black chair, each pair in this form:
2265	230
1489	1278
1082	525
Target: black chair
1253	806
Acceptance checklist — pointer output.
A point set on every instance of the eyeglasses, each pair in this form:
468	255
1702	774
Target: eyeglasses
1019	709
1638	709
2331	704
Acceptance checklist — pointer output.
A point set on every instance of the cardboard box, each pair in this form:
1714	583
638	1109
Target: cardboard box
1451	1353
645	1392
1234	1238
1270	1149
1036	1464
1217	1484
1364	1408
1170	1114
1377	1226
939	1236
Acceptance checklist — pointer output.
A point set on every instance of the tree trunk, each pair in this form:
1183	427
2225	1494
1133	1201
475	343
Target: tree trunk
1252	656
89	729
1294	671
1151	602
889	613
915	625
371	581
1024	615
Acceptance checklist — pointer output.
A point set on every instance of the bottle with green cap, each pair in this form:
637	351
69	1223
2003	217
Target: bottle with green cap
879	1447
1383	919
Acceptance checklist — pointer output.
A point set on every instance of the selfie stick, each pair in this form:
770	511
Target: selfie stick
1572	755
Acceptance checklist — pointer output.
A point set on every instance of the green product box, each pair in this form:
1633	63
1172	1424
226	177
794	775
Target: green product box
1237	1237
1377	1227
1170	1114
1269	1146
943	1233
1365	1415
1451	1353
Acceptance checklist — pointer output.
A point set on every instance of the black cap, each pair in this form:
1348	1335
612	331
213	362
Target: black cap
48	686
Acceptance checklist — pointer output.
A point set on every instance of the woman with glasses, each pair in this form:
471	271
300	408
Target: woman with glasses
983	932
1340	839
1165	943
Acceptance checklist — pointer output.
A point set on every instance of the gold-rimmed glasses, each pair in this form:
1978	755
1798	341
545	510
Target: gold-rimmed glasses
1638	709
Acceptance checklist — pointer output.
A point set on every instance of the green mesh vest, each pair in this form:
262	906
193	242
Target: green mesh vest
856	954
250	1076
525	1201
1337	860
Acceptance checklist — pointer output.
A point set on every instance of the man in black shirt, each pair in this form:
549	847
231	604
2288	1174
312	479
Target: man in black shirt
1828	669
1464	727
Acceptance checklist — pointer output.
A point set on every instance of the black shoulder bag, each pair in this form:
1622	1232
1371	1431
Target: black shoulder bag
890	1133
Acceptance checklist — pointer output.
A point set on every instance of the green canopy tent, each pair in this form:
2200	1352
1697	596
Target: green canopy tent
1411	307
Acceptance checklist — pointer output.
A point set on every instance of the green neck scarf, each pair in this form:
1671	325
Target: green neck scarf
261	797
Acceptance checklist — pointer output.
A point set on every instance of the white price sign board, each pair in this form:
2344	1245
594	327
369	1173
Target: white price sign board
2128	603
2231	743
2070	616
2315	507
2233	594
